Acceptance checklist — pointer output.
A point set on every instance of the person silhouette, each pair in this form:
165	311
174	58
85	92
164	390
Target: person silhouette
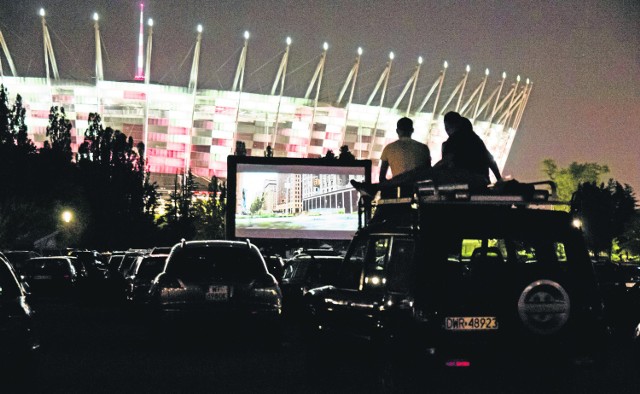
404	154
465	159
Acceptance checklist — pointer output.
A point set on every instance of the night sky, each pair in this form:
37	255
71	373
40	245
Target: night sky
582	56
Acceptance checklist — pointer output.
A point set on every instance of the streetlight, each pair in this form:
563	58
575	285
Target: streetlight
67	216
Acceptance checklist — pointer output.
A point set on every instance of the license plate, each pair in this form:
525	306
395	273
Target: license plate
470	323
42	277
217	293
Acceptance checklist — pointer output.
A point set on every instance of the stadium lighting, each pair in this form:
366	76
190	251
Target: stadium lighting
95	16
391	56
199	28
504	75
528	81
246	34
288	40
359	51
468	68
486	72
419	59
325	46
150	22
518	78
446	64
41	11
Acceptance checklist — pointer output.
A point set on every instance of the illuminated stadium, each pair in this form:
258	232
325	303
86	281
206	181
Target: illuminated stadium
189	128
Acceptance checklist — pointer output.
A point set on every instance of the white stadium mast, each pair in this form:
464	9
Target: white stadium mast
139	70
7	54
48	50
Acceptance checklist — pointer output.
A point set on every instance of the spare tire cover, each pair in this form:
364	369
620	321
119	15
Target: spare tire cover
544	306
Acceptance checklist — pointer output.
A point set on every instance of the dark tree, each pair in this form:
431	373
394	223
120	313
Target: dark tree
210	212
330	155
241	149
345	154
180	218
604	210
59	132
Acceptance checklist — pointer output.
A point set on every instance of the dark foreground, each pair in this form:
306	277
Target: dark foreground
107	349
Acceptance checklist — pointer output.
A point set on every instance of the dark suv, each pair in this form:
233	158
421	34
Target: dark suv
219	283
460	280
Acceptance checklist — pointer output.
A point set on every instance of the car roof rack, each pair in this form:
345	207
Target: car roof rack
510	193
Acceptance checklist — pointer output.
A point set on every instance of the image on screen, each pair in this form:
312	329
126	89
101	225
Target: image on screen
294	198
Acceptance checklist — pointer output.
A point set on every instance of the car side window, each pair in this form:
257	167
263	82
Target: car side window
350	274
400	264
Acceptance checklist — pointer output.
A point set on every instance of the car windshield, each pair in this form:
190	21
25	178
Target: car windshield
150	267
47	267
222	263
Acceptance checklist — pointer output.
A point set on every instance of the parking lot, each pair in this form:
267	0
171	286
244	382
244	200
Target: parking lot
105	348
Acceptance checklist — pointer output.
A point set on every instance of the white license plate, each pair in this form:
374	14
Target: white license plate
217	293
470	323
42	277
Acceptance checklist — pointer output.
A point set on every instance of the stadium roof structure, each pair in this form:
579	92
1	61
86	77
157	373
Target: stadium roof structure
187	128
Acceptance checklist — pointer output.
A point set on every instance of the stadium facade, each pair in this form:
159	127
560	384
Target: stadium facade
187	128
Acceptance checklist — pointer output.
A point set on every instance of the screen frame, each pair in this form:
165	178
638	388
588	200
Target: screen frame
232	172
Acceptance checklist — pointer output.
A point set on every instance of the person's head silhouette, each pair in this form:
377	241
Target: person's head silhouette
404	127
451	122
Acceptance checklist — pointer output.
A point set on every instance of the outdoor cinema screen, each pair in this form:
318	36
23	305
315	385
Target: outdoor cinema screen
288	198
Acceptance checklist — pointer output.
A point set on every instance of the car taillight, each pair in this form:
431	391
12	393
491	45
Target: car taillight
66	276
458	363
266	288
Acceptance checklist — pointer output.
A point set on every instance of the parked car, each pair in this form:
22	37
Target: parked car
620	288
18	341
304	272
222	283
18	257
145	269
275	265
456	280
53	276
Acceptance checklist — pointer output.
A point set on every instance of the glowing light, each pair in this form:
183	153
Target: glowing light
67	216
41	11
150	22
359	51
95	16
446	64
246	34
458	363
518	78
325	46
391	56
288	41
577	223
199	28
468	68
504	75
486	72
419	59
528	81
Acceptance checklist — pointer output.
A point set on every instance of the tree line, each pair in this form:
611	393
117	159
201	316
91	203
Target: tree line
107	186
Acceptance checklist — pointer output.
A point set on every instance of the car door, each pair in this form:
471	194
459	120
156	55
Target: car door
353	305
